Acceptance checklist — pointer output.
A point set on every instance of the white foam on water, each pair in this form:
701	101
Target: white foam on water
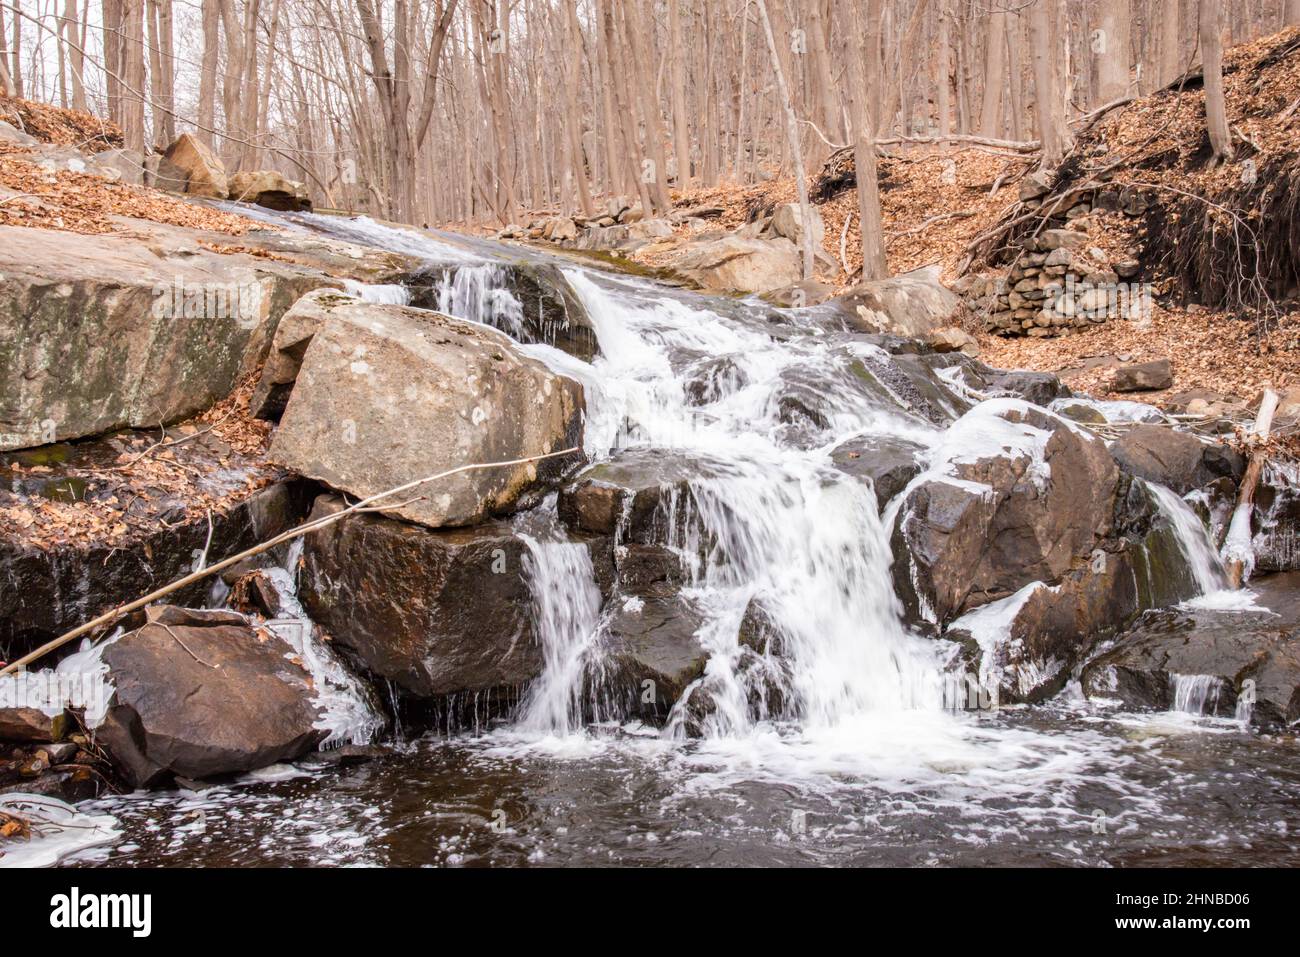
59	830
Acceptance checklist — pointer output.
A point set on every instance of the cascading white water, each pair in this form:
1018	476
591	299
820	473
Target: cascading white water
393	294
1193	540
1194	693
566	613
778	525
765	519
479	293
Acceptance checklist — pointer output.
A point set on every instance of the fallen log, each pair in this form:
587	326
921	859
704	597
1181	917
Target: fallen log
1236	547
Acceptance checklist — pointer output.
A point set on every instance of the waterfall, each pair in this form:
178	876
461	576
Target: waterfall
479	293
566	612
777	526
1193	540
1193	693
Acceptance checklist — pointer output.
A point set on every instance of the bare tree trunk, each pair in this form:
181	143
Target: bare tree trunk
995	28
637	37
208	71
616	172
1291	15
626	109
573	119
15	51
1216	110
943	74
681	131
160	70
76	55
133	74
1052	130
1170	53
870	221
911	35
792	133
1113	48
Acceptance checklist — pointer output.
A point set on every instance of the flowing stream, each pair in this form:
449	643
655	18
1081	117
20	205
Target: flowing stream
844	752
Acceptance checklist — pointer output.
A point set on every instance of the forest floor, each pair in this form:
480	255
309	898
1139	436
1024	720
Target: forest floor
936	202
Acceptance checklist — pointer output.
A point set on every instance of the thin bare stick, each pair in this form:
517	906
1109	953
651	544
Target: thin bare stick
110	616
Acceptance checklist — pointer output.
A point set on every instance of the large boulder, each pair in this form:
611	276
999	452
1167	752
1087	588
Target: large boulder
1144	376
1205	662
118	165
787	221
201	694
734	264
1178	460
912	304
103	332
434	612
1028	644
1013	495
270	189
190	166
1040	388
383	395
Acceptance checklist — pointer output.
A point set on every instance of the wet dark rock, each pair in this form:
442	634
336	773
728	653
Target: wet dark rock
1277	521
553	314
1040	388
255	593
1254	654
641	495
50	590
886	461
435	612
651	652
1178	460
714	379
200	694
70	783
639	565
1000	525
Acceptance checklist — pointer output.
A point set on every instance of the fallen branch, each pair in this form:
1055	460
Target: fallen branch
166	443
1015	146
310	526
926	224
1237	545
